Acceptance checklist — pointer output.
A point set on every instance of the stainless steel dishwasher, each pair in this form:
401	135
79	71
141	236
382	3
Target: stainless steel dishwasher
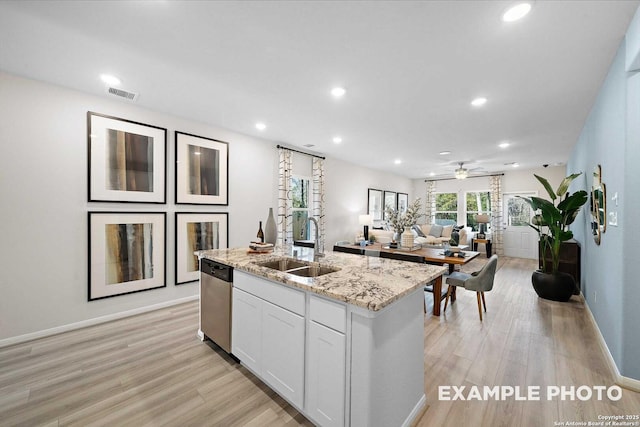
216	281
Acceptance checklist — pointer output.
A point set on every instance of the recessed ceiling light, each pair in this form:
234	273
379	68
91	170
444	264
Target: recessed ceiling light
110	80
444	153
337	140
515	165
338	92
479	102
261	126
432	174
503	145
397	161
516	12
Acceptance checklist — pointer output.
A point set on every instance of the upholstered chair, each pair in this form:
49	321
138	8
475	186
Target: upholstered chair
480	282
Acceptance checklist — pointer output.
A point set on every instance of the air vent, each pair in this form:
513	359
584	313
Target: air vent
309	145
131	96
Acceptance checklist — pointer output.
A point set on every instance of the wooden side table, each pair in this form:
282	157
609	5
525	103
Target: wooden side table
487	245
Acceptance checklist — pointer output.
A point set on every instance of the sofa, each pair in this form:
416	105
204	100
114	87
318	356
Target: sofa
428	238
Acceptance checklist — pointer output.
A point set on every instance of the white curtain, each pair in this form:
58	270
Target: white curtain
318	196
430	203
285	216
495	187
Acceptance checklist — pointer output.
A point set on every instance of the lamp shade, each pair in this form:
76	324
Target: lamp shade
365	220
482	219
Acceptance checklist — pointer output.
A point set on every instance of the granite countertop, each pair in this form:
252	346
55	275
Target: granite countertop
364	281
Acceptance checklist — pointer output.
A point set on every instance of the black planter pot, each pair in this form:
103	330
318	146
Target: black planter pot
555	287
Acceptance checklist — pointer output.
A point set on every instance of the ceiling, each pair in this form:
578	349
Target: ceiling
410	70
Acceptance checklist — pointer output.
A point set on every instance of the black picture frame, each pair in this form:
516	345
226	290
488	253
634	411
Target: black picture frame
375	206
119	266
195	185
390	199
403	202
126	160
186	264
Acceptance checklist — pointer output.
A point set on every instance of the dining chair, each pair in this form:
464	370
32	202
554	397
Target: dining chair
479	281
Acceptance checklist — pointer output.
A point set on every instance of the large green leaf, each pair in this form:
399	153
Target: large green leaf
563	236
564	185
570	206
546	186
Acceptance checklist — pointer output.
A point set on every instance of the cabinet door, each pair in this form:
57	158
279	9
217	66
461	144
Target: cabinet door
245	329
326	375
283	352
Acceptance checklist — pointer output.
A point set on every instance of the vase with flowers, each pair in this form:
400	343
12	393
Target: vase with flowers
403	221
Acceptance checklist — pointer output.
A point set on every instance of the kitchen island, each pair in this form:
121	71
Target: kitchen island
341	338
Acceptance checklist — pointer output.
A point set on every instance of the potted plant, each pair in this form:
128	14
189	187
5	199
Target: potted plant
551	222
401	221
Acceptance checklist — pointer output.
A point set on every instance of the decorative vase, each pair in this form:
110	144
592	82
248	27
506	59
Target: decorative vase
270	230
407	239
555	287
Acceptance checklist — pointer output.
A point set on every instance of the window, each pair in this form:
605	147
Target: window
301	207
477	203
446	208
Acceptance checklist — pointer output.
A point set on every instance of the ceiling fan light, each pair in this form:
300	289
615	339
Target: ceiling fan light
461	173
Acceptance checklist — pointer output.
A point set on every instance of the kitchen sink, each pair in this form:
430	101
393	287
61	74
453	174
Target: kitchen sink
313	271
299	268
284	264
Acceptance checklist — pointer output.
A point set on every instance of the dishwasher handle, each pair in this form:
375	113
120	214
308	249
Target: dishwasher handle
216	269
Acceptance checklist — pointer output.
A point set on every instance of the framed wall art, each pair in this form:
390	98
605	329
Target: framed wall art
126	252
202	170
126	160
390	200
196	231
374	203
403	202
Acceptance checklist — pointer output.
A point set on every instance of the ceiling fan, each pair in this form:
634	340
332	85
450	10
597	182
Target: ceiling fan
461	172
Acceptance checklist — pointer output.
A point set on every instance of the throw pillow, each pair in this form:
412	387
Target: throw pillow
446	231
436	230
418	230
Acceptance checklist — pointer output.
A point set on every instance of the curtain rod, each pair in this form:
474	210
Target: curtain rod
301	152
470	176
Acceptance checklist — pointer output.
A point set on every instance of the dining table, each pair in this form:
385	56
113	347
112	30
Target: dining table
429	255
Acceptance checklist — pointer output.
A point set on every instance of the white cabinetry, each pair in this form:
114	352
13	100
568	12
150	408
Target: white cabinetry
246	338
283	352
326	375
268	338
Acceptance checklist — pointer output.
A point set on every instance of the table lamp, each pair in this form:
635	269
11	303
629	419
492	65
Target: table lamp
482	221
366	221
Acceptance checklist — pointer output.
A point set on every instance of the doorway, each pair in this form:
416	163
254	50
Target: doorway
520	240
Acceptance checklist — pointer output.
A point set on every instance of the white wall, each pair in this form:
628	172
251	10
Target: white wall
43	188
43	214
346	196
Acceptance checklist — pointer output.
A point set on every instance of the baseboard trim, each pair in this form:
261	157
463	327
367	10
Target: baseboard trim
94	321
416	413
622	381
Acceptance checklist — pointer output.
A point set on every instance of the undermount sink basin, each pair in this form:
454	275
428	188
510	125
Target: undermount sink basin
284	264
299	268
313	271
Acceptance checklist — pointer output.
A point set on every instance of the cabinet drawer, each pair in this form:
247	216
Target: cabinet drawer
328	313
280	295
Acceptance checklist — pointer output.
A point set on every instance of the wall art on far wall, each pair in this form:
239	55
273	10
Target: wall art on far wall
126	159
202	170
375	204
126	252
196	231
390	200
403	202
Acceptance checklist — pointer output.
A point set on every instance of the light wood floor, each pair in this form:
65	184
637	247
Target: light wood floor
152	370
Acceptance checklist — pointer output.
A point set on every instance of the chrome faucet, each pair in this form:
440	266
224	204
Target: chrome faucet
317	250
